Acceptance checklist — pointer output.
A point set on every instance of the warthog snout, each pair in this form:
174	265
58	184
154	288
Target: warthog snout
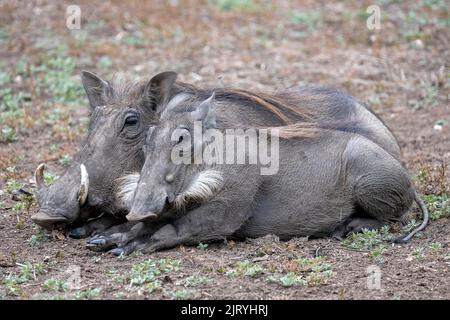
149	211
59	203
46	221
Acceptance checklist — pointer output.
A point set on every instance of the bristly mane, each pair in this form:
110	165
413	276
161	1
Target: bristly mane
296	121
285	106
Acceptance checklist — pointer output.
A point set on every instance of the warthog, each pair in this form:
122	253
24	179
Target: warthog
329	182
120	117
122	113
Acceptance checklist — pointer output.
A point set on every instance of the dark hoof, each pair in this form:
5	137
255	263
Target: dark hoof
400	240
77	233
97	242
117	252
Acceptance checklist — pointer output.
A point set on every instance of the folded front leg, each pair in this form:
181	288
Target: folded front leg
94	226
126	235
213	220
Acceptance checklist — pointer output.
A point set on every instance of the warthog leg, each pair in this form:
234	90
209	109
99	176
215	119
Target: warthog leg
122	236
94	226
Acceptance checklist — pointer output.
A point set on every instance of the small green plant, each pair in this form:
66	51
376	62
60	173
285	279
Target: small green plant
24	204
13	286
195	280
39	238
411	35
319	278
436	246
116	277
178	294
49	178
12	185
169	265
202	246
367	239
438	205
65	160
22	67
288	280
3	36
418	253
57	77
18	206
120	295
54	147
221	270
59	82
310	19
143	272
310	264
81	37
4	78
318	270
149	270
10	101
431	95
54	285
8	135
411	225
105	62
27	272
435	4
246	268
229	5
377	254
136	40
88	294
153	286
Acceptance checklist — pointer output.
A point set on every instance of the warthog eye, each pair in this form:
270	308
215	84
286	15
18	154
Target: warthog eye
131	120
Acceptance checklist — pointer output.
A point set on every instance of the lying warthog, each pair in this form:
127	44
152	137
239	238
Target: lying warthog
120	117
122	113
329	182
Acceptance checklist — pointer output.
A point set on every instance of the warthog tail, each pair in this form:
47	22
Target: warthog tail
425	214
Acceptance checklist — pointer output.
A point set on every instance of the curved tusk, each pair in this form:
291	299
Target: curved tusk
84	185
39	176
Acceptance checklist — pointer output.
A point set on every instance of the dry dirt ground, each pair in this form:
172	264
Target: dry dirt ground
400	70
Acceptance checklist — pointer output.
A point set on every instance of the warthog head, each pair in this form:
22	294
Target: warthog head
170	180
121	114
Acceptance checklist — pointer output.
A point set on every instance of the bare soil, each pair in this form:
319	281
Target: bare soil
401	71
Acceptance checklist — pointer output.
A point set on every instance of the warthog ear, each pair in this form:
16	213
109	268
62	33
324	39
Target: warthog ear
206	112
96	88
159	88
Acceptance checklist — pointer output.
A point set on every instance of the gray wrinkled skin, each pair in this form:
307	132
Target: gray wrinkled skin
113	149
333	180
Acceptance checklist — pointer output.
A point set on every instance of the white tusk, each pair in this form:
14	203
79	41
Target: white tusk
84	185
39	176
